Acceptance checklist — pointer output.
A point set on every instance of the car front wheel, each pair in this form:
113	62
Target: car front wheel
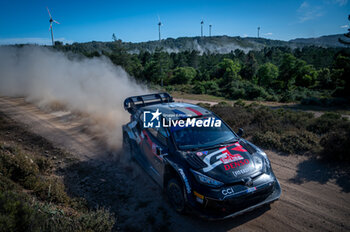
176	195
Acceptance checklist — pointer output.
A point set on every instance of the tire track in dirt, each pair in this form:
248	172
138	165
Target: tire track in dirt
107	178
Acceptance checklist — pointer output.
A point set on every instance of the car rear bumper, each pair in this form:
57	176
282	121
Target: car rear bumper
210	214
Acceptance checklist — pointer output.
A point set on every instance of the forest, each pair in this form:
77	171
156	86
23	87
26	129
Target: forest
311	75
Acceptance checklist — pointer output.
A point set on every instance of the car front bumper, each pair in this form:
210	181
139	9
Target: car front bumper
218	209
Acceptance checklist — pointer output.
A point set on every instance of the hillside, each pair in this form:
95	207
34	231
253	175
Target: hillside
215	44
323	41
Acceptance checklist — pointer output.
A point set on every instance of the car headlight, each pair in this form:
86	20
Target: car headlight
206	180
261	161
258	162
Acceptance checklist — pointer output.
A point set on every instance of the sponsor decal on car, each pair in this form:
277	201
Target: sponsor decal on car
228	191
227	155
240	172
200	153
231	158
249	190
187	184
236	164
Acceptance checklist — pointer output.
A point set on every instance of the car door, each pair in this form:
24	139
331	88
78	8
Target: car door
155	148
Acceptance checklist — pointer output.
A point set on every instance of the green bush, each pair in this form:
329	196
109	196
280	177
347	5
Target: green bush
198	88
20	213
327	123
269	140
336	146
18	167
99	220
16	214
44	165
51	190
299	142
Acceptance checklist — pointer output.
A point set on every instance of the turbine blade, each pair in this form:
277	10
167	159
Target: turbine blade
158	18
50	26
49	12
56	21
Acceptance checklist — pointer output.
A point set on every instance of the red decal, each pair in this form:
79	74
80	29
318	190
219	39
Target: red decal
236	164
240	148
194	111
231	158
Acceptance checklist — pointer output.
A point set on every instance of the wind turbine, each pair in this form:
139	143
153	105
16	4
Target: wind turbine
258	31
210	30
202	22
159	25
51	27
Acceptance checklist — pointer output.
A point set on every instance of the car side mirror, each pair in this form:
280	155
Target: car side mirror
240	132
158	151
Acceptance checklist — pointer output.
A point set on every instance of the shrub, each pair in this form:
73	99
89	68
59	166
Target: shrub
299	142
44	165
17	166
269	140
99	220
336	146
52	190
16	214
328	123
198	88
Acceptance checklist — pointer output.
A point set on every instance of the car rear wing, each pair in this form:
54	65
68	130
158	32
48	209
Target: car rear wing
133	103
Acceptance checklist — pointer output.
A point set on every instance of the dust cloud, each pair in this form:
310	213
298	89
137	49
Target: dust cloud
92	88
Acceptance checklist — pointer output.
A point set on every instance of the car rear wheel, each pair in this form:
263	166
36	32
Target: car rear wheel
175	193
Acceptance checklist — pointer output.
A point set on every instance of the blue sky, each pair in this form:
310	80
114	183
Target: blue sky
136	21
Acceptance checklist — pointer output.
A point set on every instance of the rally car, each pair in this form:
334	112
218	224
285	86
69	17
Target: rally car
200	162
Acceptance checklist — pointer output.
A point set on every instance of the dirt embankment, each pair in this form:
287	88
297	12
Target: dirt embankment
316	196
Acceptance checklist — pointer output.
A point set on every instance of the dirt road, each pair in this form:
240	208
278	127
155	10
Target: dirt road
315	197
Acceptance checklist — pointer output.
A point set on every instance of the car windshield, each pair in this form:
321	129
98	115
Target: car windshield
189	138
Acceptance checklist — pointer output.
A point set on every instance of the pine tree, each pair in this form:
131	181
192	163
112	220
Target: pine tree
346	35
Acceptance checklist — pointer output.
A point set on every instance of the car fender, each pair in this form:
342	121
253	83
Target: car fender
184	176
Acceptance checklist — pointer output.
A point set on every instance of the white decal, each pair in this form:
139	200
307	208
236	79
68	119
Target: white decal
228	191
187	185
210	166
240	172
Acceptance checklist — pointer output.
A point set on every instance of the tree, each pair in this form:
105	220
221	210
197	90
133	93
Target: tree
346	35
305	74
183	75
250	67
324	79
267	74
158	68
287	69
228	70
342	68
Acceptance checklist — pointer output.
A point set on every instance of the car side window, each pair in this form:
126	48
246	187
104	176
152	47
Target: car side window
162	135
153	131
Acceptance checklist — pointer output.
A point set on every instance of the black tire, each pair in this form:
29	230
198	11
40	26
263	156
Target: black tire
176	195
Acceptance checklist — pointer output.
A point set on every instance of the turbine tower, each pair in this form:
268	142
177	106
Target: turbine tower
51	27
210	30
202	28
258	31
159	24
